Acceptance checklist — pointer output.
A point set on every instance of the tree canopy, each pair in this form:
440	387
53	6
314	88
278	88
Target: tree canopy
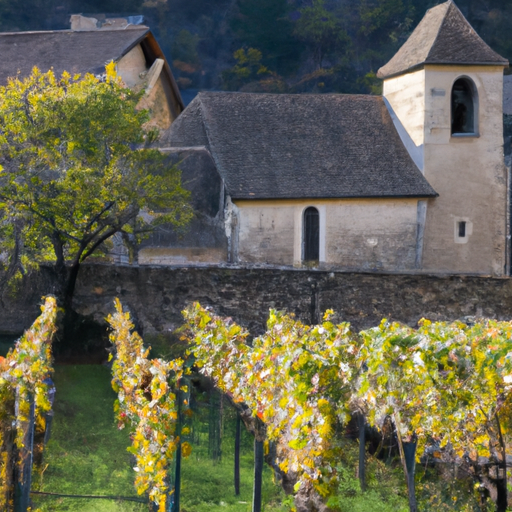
76	169
352	39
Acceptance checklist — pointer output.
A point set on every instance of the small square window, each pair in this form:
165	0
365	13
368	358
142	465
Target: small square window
463	229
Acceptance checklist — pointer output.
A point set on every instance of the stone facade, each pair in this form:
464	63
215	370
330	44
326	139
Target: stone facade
157	295
358	234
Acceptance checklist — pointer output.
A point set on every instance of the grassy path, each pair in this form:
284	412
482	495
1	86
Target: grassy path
87	455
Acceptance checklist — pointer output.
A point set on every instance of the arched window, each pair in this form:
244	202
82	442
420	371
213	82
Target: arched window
311	234
464	107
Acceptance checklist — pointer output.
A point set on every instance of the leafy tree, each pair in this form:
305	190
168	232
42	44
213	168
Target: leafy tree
250	75
76	170
321	31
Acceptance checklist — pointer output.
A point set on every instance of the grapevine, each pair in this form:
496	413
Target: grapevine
22	376
148	405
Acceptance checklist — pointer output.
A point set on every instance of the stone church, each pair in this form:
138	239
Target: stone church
410	181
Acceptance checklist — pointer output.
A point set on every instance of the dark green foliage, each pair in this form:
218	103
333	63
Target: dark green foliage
322	32
266	26
104	6
54	14
250	75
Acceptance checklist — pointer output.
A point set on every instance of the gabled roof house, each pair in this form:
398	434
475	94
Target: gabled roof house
87	48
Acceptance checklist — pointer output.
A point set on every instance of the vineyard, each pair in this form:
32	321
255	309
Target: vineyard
333	413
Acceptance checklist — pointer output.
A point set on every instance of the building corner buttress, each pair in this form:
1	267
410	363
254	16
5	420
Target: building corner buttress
231	219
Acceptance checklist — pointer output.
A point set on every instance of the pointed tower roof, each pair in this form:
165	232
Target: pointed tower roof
443	36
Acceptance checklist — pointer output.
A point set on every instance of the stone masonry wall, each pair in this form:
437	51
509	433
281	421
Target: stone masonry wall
157	295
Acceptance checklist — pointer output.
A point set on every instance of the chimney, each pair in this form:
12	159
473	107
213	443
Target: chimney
82	23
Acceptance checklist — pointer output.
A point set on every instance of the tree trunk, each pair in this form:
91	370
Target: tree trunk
258	475
69	288
238	434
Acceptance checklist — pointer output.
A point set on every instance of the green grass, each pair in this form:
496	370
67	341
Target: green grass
209	487
87	455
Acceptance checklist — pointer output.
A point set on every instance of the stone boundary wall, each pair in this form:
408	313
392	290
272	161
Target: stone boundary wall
156	296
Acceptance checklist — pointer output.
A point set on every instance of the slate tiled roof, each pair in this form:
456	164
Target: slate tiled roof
271	146
65	50
443	36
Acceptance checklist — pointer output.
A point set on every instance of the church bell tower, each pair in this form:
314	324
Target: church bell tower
444	90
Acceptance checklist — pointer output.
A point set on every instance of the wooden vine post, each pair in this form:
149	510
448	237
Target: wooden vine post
361	423
176	492
238	434
258	474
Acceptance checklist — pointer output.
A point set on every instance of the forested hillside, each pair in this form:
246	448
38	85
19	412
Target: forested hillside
272	45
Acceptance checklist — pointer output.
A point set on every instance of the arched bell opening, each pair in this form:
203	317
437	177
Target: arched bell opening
464	107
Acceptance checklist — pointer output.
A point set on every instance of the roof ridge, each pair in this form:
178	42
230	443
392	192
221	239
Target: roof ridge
203	116
369	97
449	2
69	31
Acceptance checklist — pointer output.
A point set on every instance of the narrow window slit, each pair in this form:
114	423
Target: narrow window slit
311	235
462	229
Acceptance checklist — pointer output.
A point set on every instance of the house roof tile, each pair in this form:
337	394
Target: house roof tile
65	50
271	146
